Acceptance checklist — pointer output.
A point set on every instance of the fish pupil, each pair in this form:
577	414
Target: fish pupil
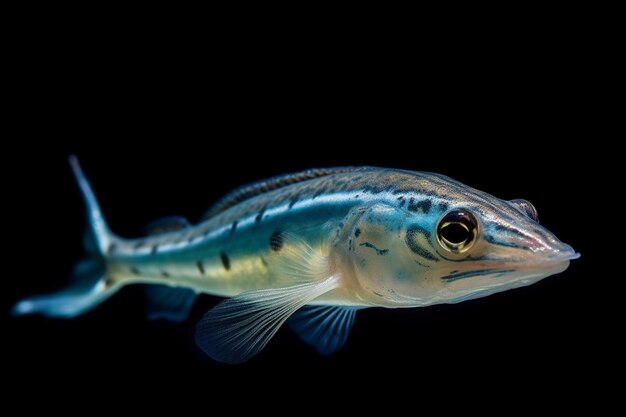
455	233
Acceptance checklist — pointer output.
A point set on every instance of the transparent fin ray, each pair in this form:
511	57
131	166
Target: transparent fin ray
238	328
168	303
82	297
326	328
298	262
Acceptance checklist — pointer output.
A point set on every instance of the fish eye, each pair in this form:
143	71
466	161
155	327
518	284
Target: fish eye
457	231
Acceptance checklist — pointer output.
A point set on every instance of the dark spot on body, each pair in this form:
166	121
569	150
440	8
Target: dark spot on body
233	228
108	282
200	267
377	293
112	248
415	229
259	216
154	249
380	252
293	201
319	192
443	206
225	261
357	232
411	239
165	274
134	270
191	239
264	262
356	196
423	205
276	241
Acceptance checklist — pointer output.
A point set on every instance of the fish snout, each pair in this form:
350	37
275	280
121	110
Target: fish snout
547	248
530	245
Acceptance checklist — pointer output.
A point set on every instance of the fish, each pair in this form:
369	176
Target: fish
310	249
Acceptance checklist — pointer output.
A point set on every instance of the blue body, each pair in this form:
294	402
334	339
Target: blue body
336	239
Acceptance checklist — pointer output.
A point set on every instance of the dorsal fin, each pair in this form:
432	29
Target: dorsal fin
167	225
248	191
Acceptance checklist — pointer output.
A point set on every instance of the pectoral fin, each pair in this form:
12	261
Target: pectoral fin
238	328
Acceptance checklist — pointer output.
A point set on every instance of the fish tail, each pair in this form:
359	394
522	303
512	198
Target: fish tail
98	227
90	285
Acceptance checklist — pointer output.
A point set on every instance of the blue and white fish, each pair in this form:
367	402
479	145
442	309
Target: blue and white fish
313	248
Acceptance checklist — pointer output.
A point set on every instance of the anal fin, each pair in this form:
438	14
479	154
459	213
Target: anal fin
169	303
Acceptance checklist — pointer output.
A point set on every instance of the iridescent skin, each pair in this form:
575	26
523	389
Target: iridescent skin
350	237
383	204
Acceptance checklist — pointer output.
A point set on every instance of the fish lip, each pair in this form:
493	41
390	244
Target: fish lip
539	263
568	256
557	252
558	259
567	253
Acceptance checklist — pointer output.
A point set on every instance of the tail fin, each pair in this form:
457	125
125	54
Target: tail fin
99	229
91	286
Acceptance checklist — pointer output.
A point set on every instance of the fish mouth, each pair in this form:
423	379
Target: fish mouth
554	263
489	278
524	270
561	256
537	262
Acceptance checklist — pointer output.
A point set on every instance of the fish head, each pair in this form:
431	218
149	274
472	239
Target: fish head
454	245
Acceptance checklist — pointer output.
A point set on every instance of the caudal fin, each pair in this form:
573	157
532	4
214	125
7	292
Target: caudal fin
97	225
91	286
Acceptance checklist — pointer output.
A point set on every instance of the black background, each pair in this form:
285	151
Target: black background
165	130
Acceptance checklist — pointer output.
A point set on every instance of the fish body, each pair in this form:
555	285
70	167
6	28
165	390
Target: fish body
315	247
